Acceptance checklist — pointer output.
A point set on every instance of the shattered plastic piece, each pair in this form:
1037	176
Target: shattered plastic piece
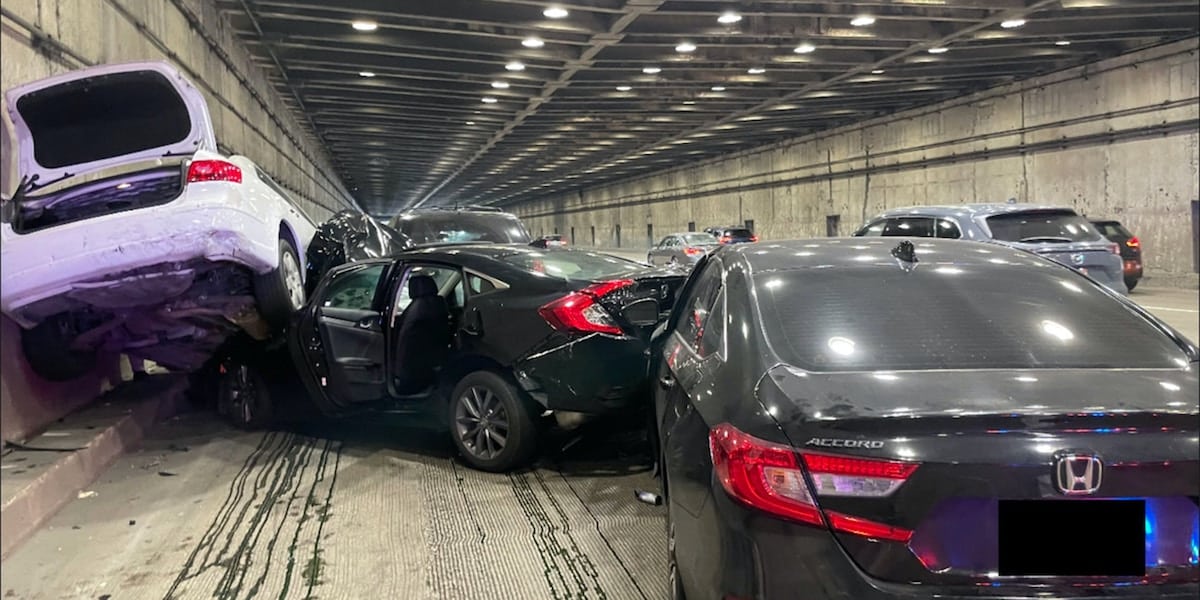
88	494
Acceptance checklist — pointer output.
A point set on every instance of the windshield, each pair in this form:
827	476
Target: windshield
104	117
1042	226
953	318
699	239
573	264
460	228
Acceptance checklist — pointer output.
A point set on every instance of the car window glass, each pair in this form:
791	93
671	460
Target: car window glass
664	242
1041	227
354	290
699	306
479	285
909	227
948	229
875	229
442	275
712	335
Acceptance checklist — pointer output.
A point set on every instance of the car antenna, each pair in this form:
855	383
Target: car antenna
906	253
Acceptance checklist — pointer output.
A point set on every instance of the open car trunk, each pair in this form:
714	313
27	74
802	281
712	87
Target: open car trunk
103	140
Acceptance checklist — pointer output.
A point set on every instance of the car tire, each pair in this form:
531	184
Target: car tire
47	349
280	292
243	397
1131	283
490	424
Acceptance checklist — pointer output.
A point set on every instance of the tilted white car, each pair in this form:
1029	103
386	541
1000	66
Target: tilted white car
132	232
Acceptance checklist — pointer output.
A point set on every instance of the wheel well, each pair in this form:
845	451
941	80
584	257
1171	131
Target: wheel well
464	365
285	231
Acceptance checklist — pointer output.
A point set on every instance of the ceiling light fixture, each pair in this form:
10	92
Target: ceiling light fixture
500	85
1012	23
862	21
515	66
365	74
756	70
365	25
1062	43
805	48
685	47
651	70
938	50
877	72
488	100
555	12
718	88
470	122
533	42
729	18
623	88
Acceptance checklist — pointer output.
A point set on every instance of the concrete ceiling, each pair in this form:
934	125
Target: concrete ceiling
445	118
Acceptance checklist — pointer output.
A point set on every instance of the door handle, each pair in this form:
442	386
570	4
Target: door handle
368	322
666	382
474	324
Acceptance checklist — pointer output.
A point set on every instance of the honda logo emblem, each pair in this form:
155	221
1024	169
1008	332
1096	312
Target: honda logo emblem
1078	474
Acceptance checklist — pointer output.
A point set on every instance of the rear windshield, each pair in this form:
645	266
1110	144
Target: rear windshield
104	117
573	265
1042	226
738	233
699	239
862	318
459	228
1112	229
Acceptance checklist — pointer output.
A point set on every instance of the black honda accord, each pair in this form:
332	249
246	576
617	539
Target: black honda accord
493	334
864	420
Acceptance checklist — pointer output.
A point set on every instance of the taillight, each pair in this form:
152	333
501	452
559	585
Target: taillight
578	311
1133	242
725	239
693	251
1114	248
770	477
754	238
213	170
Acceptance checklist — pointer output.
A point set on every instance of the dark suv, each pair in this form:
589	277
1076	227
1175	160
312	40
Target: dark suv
1130	246
732	235
460	225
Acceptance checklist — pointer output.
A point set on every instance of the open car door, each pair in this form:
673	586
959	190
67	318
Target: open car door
345	349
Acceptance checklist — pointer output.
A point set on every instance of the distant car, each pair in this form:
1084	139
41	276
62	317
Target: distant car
461	225
1131	249
838	421
490	335
1054	232
681	249
132	231
734	235
550	241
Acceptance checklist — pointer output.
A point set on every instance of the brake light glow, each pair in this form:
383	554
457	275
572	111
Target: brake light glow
1133	242
770	477
725	239
690	251
578	311
754	238
213	170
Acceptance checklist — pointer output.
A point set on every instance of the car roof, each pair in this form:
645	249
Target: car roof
876	253
969	210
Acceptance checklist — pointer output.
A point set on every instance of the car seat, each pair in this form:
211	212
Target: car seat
423	340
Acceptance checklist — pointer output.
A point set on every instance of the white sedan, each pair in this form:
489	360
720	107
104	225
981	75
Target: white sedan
132	232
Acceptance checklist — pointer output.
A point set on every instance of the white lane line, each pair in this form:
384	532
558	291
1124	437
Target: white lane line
1186	310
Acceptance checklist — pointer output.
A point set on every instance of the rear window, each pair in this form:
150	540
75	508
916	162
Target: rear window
947	317
462	228
1112	229
573	265
104	117
1042	226
738	233
699	239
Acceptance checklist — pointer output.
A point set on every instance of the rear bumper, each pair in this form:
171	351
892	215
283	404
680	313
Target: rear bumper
201	224
1133	268
596	374
733	552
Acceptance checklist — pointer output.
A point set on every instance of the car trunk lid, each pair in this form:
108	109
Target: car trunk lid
985	438
96	118
640	306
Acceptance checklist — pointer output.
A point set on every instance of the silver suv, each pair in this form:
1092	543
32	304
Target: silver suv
1057	233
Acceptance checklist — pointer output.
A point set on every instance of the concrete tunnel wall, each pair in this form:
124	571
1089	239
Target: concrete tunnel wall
1114	139
40	38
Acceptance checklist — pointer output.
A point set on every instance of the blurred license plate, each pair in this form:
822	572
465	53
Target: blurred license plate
1080	538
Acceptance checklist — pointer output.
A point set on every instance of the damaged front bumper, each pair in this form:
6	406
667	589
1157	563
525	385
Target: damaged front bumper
595	374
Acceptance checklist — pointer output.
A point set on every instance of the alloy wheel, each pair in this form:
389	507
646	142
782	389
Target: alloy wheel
481	422
292	279
242	395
